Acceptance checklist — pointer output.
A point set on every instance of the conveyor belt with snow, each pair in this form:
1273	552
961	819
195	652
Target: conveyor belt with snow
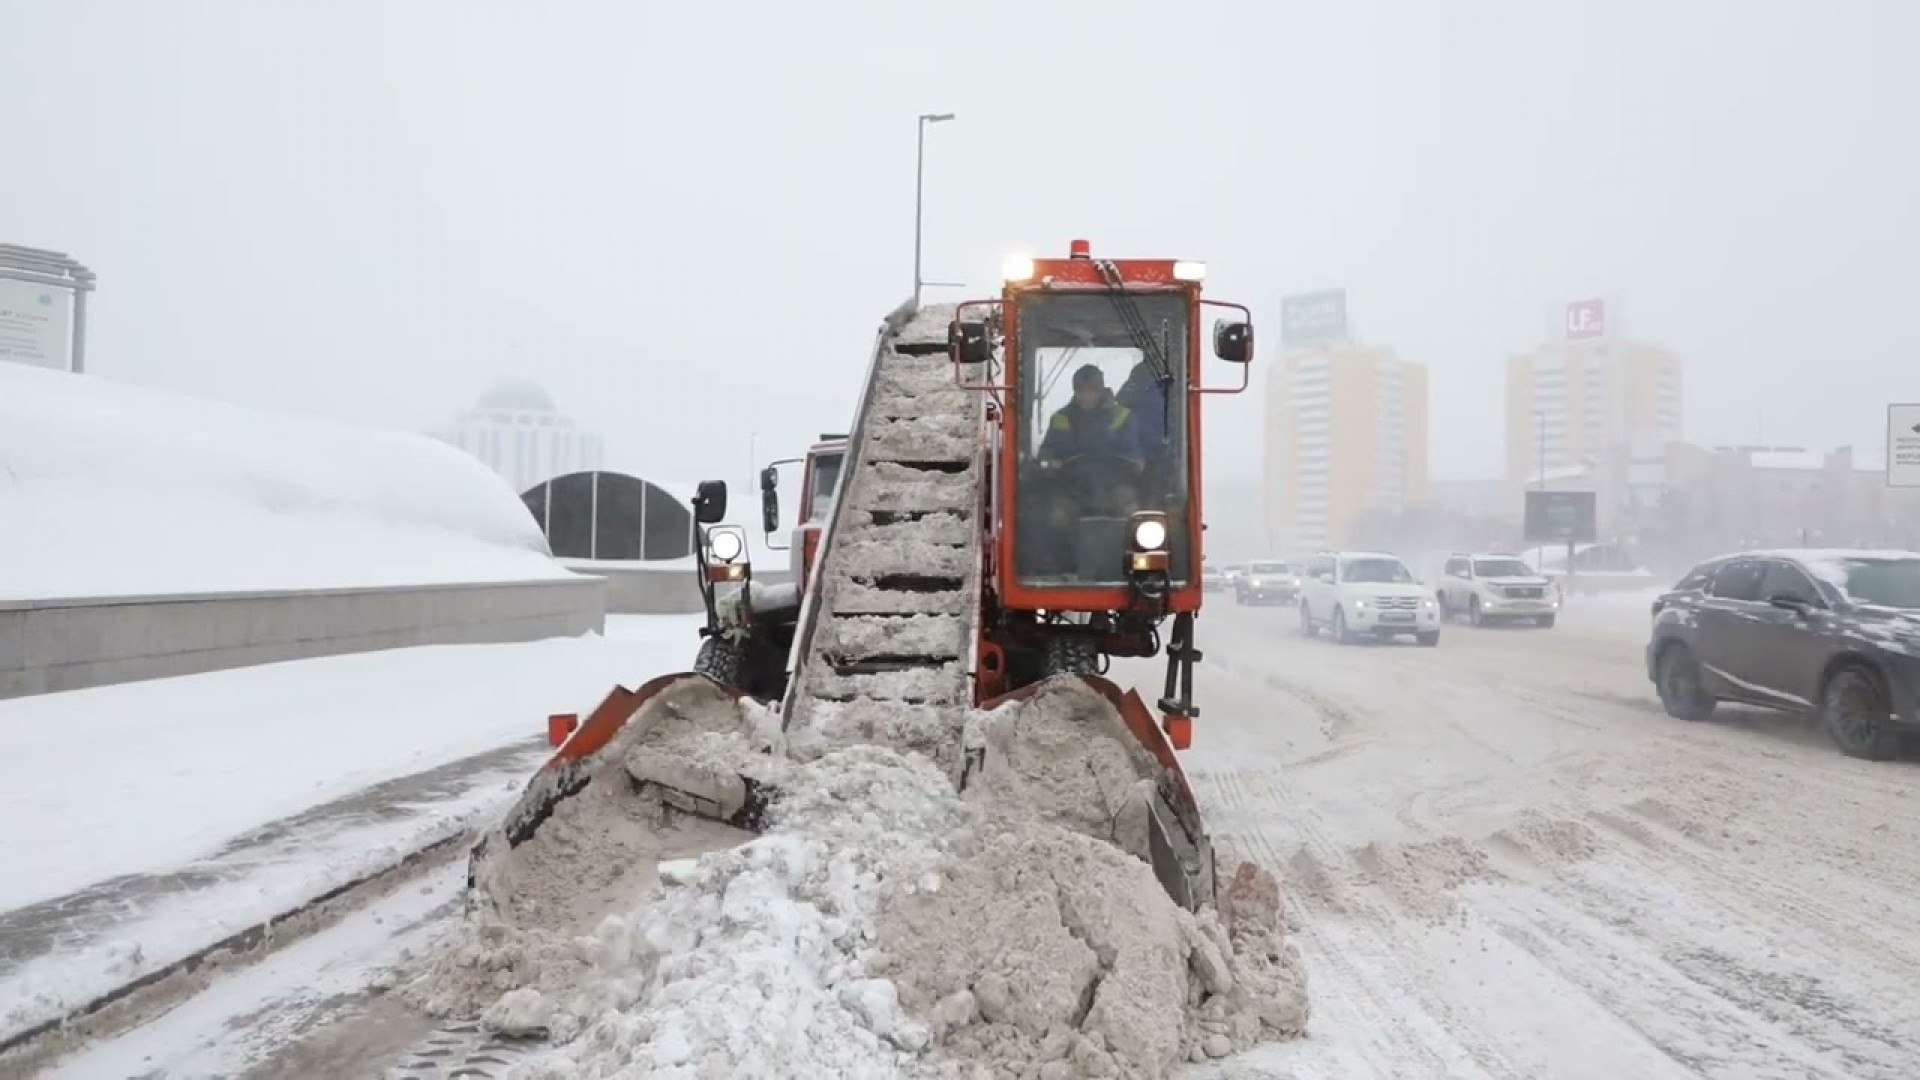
893	618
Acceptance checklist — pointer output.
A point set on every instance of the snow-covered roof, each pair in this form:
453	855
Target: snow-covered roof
683	493
1560	472
139	492
1788	459
1825	554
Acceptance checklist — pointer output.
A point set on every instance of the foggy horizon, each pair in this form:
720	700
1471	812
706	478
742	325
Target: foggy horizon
686	228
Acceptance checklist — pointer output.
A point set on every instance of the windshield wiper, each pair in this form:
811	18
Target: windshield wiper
1129	312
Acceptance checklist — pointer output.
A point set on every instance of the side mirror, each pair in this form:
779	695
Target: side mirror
769	508
967	342
1233	341
1324	579
1790	602
710	501
769	478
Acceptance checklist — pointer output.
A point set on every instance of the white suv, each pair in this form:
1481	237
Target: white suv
1353	593
1494	587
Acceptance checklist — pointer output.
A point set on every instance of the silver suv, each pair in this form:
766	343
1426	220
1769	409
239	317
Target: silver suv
1489	587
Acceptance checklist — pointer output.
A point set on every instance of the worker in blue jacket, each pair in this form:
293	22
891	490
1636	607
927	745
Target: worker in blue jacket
1101	439
1145	396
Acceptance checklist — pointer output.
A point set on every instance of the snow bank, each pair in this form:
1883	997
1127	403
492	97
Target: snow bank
881	926
108	489
199	759
175	779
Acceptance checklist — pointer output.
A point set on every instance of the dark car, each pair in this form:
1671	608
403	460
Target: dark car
1266	583
1834	634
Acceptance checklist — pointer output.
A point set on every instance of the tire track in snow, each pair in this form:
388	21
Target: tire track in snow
1831	1015
1360	985
1746	1018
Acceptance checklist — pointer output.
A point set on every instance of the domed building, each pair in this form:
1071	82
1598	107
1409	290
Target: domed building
587	509
515	427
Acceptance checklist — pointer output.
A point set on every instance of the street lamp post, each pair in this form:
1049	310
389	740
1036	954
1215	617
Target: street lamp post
919	186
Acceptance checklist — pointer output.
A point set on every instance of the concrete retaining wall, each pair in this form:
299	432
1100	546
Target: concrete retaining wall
644	590
52	645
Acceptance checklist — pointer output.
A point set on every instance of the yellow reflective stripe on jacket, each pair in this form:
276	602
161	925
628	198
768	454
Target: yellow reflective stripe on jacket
1062	421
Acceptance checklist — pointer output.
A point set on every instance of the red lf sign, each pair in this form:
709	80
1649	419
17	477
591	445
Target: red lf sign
1586	319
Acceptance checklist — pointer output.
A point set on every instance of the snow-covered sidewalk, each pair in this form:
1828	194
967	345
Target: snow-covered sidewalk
151	820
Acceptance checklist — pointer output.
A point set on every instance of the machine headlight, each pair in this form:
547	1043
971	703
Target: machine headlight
1189	270
1017	268
1149	534
726	542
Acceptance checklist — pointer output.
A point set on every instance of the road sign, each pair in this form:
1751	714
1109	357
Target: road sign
1561	517
36	324
1903	445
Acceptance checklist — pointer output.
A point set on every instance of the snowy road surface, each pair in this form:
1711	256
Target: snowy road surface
1501	858
1505	861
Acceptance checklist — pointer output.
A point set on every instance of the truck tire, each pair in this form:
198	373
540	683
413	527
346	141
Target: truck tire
1072	655
723	661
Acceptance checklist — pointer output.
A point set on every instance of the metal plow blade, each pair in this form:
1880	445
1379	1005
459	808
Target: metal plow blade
1067	728
614	746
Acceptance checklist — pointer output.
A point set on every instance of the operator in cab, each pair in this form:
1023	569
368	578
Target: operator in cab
1093	446
1145	396
1093	424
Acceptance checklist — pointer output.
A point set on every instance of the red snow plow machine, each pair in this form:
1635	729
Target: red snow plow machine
1016	504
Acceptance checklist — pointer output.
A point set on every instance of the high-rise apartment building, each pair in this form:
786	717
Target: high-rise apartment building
1589	399
1346	433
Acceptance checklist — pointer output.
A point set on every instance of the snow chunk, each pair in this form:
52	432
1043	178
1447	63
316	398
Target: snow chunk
851	597
943	685
920	438
885	485
866	555
861	636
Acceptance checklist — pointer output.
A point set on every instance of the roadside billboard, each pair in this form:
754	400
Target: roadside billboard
1561	517
1903	445
1313	318
36	324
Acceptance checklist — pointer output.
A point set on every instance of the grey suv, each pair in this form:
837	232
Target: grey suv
1835	634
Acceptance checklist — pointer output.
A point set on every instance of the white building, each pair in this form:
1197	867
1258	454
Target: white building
1592	394
515	428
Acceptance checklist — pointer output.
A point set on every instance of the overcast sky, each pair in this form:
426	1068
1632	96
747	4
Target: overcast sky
686	218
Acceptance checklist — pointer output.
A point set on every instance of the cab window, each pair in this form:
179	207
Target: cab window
826	477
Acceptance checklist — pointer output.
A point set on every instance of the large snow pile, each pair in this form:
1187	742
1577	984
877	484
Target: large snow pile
882	925
108	489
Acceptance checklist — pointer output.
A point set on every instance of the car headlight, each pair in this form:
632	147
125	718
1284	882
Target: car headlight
1360	605
1150	533
726	542
1427	603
